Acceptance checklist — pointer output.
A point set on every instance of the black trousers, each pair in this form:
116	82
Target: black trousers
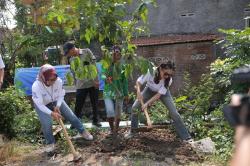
81	95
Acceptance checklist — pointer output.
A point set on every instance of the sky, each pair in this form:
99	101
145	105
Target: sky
9	14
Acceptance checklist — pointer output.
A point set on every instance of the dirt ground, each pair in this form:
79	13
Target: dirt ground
157	147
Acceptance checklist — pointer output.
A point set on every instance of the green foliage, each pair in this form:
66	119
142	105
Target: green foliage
237	44
237	49
131	62
24	46
69	78
27	126
101	20
158	113
82	71
195	106
195	103
105	21
16	113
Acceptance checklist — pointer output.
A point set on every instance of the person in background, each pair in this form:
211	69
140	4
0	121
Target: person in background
115	90
157	87
48	96
101	81
85	86
2	66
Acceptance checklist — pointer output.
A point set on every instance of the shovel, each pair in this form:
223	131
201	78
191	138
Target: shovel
76	155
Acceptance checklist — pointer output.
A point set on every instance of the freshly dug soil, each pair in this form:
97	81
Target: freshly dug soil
157	147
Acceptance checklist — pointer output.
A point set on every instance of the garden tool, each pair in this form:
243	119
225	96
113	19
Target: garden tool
76	155
146	114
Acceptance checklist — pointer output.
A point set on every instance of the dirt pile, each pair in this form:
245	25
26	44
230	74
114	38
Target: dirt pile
157	147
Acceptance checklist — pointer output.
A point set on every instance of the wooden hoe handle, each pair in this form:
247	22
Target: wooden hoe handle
147	116
145	112
67	138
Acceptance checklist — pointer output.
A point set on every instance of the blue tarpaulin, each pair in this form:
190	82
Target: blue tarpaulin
25	77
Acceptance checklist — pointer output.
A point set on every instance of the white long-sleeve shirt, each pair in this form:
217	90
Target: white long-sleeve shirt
1	63
43	95
149	79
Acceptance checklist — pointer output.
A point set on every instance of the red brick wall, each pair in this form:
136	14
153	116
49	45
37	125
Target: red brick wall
192	57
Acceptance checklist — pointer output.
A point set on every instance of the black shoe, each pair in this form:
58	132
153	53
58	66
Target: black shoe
97	124
72	127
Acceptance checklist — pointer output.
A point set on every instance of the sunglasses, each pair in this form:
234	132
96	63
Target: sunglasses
167	74
117	52
52	80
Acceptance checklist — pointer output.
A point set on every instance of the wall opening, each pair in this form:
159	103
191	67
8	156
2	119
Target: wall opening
187	15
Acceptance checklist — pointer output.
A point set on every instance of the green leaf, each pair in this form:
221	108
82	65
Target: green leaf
48	29
88	35
92	71
180	99
69	78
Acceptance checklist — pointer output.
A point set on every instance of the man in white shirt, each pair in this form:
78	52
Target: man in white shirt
2	66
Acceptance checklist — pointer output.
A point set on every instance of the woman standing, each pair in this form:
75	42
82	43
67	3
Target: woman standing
48	96
157	87
115	90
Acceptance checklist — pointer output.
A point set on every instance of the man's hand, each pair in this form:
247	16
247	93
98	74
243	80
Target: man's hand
57	109
96	84
56	115
109	79
126	100
145	106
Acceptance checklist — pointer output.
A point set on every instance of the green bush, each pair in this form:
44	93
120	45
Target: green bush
16	114
195	106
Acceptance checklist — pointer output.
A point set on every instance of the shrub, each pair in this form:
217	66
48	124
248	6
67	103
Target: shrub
17	116
204	119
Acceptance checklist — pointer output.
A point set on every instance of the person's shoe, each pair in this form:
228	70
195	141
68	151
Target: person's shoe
72	127
50	148
129	135
97	124
87	136
189	141
109	134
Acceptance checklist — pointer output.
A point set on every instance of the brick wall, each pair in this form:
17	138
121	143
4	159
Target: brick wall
193	57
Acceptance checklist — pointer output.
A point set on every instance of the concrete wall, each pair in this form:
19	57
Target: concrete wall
197	16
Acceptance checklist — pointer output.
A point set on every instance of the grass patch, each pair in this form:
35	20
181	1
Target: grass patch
14	151
212	160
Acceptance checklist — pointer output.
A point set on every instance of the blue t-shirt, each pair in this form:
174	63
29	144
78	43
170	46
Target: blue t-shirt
101	81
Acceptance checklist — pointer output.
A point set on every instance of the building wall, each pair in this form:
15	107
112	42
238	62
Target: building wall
197	16
191	57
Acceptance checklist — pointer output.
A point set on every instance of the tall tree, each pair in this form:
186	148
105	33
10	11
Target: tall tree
106	21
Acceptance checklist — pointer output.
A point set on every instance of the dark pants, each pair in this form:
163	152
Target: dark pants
81	95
